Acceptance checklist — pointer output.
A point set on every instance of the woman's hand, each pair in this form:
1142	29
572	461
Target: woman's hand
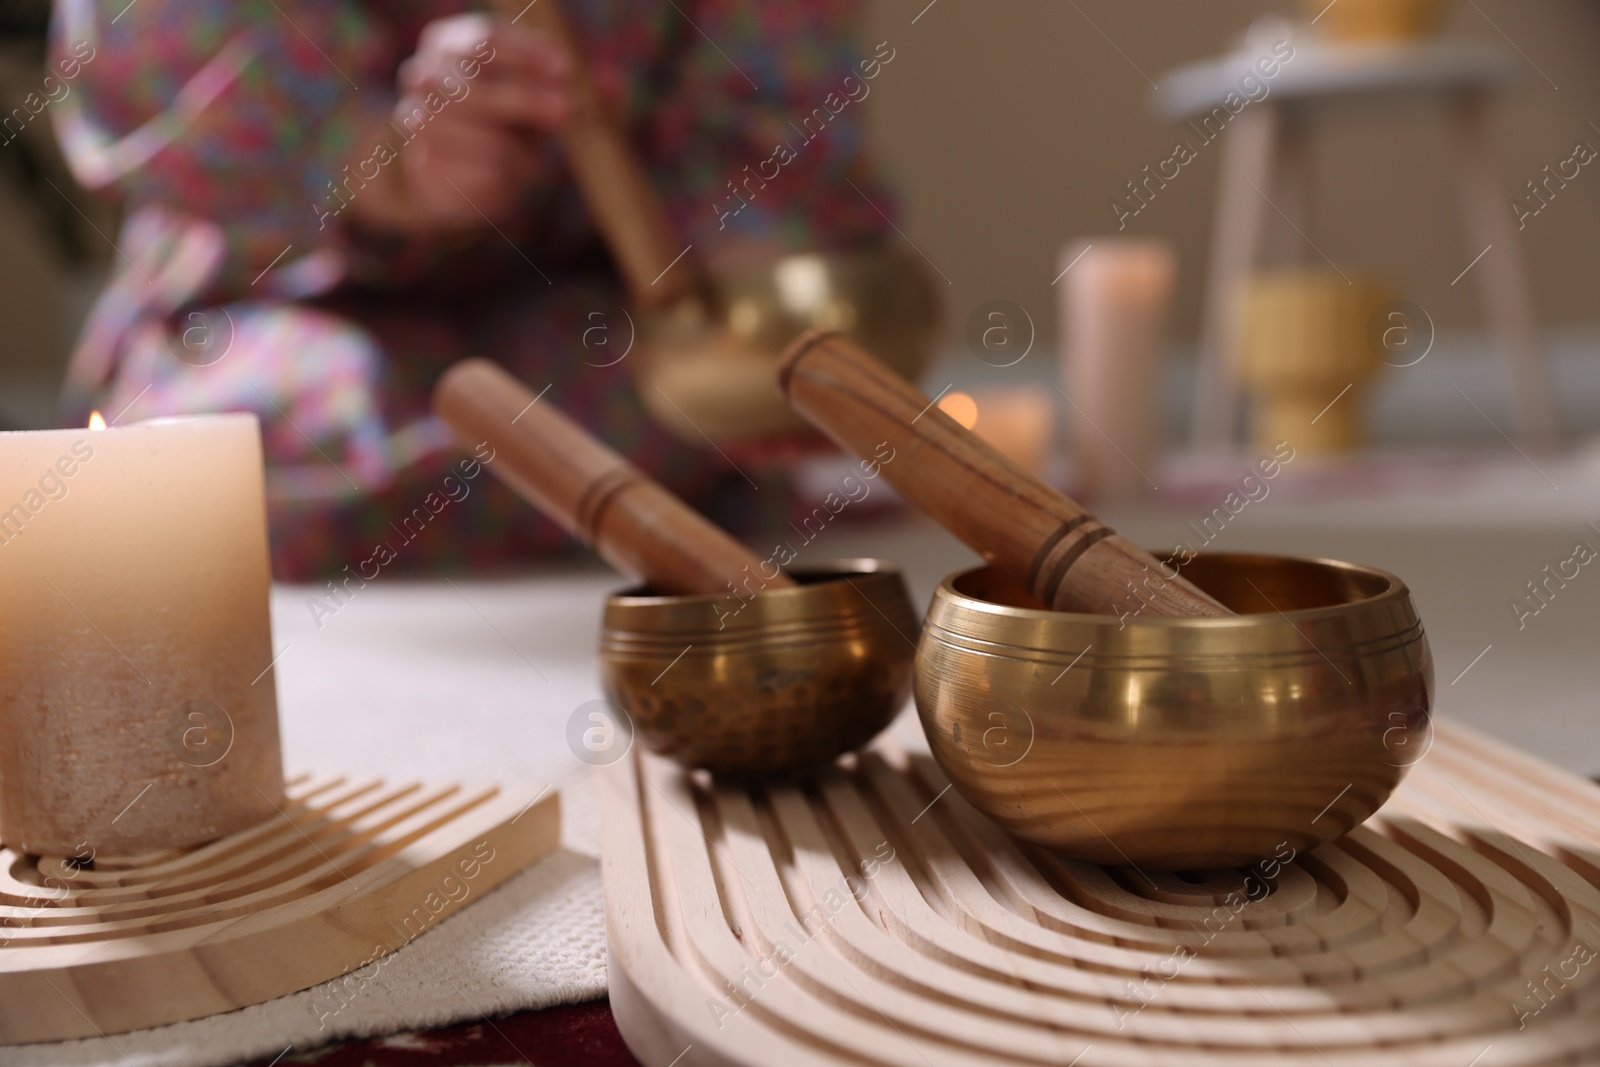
477	100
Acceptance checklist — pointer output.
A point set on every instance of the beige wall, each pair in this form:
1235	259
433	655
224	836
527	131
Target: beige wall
1008	124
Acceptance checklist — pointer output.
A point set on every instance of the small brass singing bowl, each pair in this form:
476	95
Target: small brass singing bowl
711	373
1180	743
780	680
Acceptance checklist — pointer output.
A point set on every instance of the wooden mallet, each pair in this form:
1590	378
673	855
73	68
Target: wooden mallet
632	521
659	273
1032	533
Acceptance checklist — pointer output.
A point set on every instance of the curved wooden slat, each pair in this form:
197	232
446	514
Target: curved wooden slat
346	874
1465	915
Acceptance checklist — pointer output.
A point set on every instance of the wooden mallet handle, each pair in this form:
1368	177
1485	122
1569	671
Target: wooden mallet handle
1044	541
631	520
616	188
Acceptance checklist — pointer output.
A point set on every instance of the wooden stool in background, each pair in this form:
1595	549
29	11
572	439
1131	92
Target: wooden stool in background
1265	176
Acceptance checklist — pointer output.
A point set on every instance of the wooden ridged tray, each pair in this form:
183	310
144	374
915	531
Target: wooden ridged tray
351	871
1459	926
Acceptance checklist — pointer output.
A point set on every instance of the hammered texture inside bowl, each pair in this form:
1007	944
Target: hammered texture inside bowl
1180	743
777	681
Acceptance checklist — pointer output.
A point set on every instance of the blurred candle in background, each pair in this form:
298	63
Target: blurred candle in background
136	708
1020	423
1115	295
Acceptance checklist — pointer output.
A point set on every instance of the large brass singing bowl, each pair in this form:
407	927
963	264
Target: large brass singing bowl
713	374
1180	743
782	680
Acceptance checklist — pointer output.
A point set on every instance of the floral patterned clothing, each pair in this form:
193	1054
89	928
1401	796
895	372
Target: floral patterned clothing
238	132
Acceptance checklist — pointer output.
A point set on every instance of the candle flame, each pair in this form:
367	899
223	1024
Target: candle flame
96	421
961	407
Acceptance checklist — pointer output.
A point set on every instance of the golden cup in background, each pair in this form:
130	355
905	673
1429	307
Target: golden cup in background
1306	355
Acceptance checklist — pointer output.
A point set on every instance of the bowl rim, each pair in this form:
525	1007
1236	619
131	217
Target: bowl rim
1394	592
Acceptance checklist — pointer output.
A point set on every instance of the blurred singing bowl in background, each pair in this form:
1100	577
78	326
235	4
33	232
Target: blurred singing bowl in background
783	680
1180	743
714	377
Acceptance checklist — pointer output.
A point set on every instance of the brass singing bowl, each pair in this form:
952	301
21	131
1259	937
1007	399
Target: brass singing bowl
711	374
780	681
1180	743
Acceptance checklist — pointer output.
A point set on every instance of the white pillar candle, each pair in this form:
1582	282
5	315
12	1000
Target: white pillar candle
136	708
1114	300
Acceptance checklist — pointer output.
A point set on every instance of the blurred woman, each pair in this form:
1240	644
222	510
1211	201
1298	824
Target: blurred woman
330	201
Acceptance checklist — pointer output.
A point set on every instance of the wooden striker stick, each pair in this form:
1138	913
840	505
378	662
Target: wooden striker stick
631	520
616	188
1044	541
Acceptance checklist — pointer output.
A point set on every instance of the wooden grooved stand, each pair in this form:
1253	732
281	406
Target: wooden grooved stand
867	916
348	873
1044	541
